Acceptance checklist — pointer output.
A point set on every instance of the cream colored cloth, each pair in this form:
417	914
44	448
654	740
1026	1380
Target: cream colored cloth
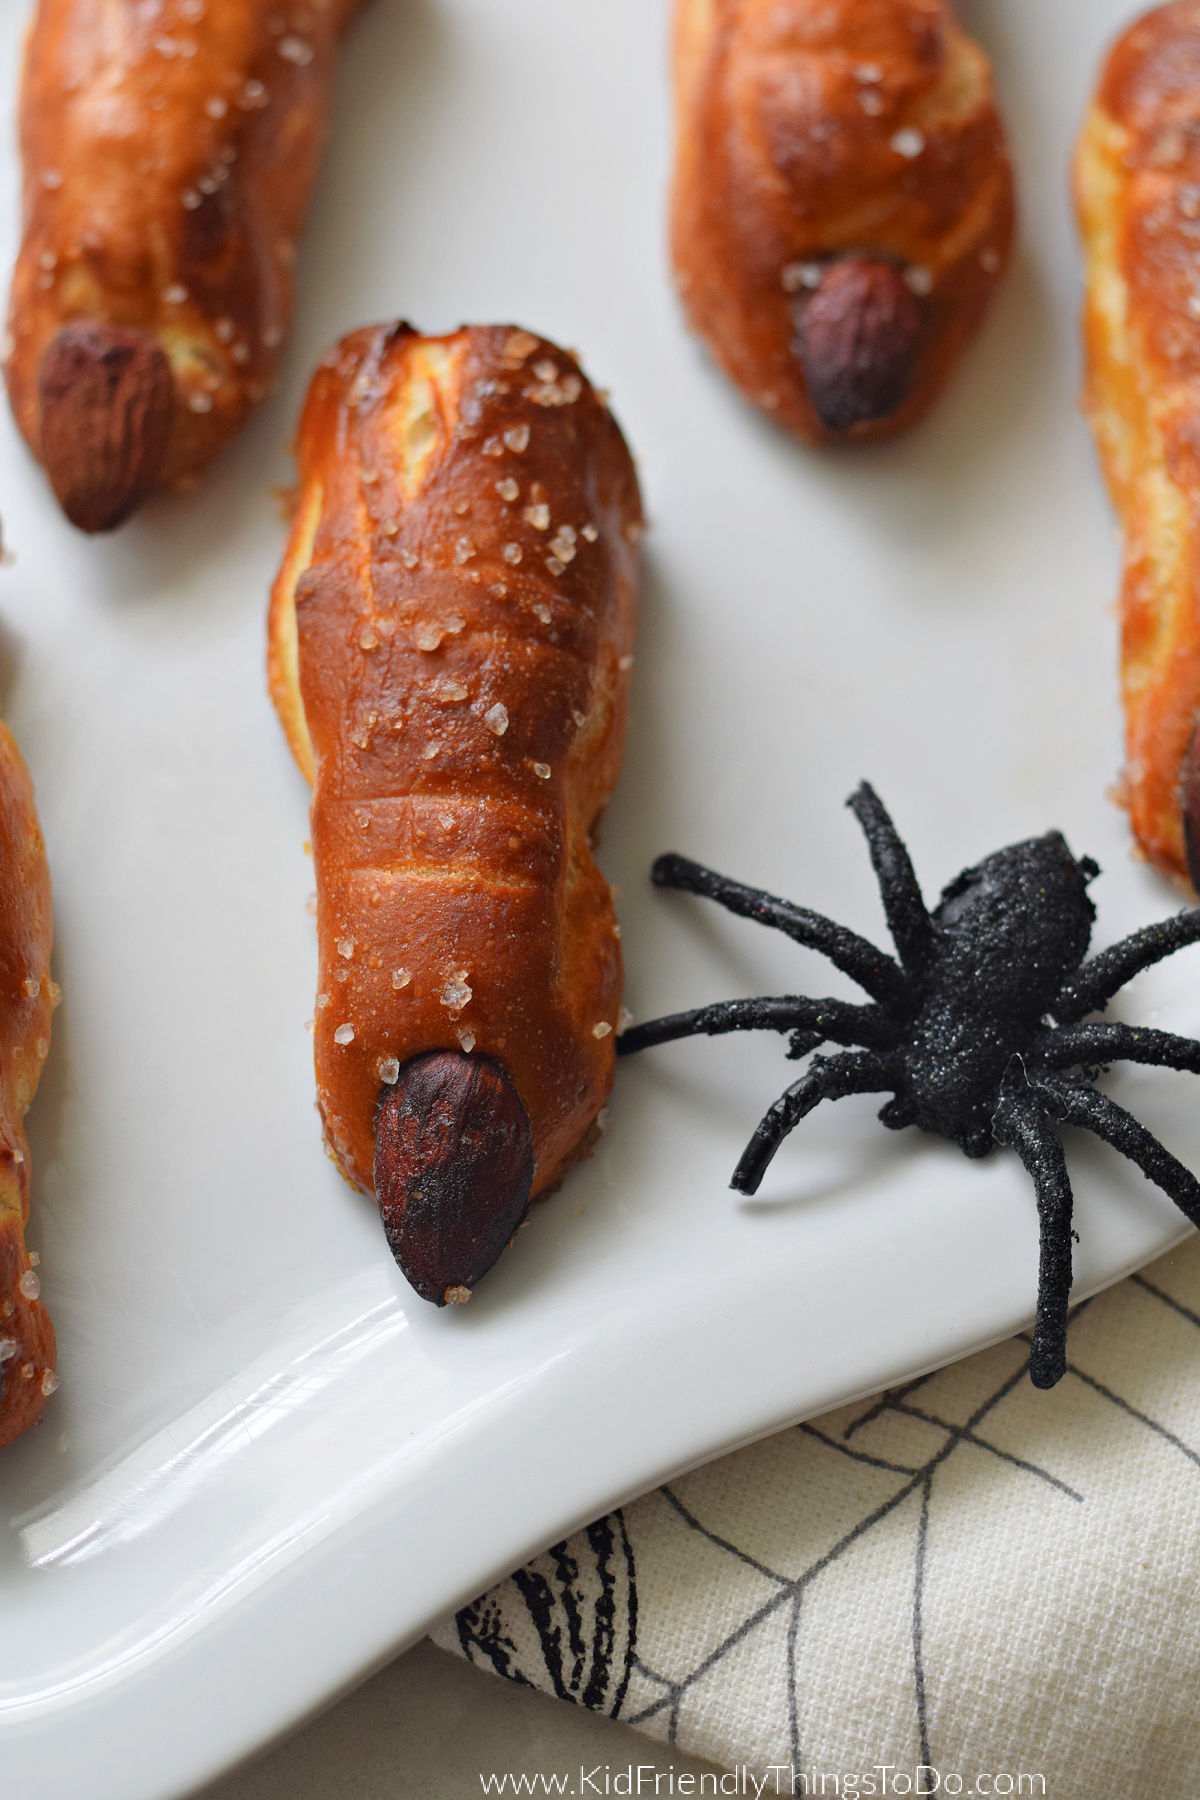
964	1574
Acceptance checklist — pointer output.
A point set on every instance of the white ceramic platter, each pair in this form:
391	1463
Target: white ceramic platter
269	1466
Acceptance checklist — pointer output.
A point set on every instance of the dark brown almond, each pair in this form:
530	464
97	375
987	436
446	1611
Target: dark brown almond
1189	787
106	397
859	342
453	1170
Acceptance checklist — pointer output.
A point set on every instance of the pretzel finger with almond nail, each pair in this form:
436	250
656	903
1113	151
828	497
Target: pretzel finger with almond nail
843	206
169	151
450	644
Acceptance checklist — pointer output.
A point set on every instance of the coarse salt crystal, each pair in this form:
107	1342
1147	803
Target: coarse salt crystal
516	438
427	637
546	370
252	94
798	275
542	611
496	718
602	1029
295	50
52	178
563	546
542	771
389	1069
29	1285
452	624
446	821
538	516
908	142
467	1040
345	947
518	345
555	567
624	1020
215	107
49	1382
457	992
508	489
322	1002
464	550
401	978
200	403
8	1349
430	751
344	1034
590	533
919	279
175	295
624	663
492	447
32	988
512	553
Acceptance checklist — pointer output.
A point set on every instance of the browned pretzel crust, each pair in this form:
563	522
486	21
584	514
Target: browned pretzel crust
27	995
451	635
816	134
1138	192
169	151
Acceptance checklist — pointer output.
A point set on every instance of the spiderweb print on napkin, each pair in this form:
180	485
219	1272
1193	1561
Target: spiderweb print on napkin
963	1573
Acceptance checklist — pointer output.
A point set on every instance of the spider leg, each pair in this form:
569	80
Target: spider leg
1093	986
1095	1044
824	1021
874	971
907	915
829	1078
1021	1122
1077	1104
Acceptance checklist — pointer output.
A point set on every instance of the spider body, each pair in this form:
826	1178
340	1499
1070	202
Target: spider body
978	1028
1000	943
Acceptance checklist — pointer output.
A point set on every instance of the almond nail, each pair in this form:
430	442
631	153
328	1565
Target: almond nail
106	397
859	340
453	1170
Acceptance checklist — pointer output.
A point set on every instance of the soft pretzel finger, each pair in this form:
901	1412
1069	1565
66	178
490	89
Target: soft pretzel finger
27	995
1137	176
169	151
843	205
451	638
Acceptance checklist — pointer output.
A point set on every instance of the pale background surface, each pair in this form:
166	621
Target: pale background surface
425	1727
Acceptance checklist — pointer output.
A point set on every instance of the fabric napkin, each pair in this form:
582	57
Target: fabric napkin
966	1577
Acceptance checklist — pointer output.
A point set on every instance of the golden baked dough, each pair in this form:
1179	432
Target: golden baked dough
27	994
1137	178
843	206
169	151
450	643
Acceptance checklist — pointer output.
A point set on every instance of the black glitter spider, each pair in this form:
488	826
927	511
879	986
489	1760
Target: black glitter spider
978	1031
